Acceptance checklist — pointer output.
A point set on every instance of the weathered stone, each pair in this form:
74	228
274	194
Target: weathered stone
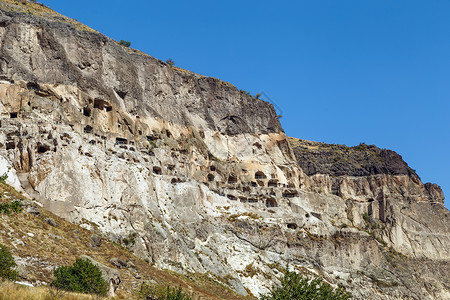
212	183
96	240
33	209
117	262
340	160
51	222
131	265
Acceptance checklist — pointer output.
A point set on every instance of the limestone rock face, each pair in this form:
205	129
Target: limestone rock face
194	176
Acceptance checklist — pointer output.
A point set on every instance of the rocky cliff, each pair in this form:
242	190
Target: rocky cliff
195	176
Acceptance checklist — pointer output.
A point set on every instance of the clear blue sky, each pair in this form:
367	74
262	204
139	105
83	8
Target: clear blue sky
341	71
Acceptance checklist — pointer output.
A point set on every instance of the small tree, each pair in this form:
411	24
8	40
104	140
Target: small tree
82	277
4	177
296	287
125	43
7	264
170	62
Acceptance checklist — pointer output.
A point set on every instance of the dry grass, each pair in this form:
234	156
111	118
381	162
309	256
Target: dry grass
11	291
303	143
42	11
27	5
45	247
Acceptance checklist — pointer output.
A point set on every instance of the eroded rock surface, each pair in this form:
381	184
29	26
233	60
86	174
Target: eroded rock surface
195	176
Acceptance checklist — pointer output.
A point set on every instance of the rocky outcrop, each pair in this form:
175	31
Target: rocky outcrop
378	185
340	160
194	176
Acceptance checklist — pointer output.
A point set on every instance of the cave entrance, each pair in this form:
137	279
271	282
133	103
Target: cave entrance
232	179
260	175
88	129
271	203
157	170
231	197
102	105
87	111
291	225
121	141
273	183
41	148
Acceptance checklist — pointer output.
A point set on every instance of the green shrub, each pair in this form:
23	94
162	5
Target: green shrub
161	292
7	264
82	277
296	287
125	43
4	177
11	207
366	217
170	62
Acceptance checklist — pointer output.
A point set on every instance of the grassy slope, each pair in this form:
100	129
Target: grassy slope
44	246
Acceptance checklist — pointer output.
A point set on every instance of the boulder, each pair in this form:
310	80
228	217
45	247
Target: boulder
117	262
96	240
51	222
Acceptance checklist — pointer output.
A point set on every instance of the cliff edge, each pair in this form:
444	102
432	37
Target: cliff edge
194	176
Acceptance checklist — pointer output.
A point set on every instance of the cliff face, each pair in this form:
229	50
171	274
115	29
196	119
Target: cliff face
195	176
378	185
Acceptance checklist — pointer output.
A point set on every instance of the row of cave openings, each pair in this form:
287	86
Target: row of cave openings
270	202
98	104
105	106
259	176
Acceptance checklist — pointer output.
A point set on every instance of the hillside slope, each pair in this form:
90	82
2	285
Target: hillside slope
202	176
41	241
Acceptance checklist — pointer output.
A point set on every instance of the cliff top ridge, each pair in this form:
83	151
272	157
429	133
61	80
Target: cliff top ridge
341	160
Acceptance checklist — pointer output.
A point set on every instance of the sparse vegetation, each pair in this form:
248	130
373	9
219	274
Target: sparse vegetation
250	215
11	291
295	287
125	43
38	9
4	177
245	92
151	146
11	207
170	62
160	292
365	217
340	160
83	277
7	264
130	240
250	270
